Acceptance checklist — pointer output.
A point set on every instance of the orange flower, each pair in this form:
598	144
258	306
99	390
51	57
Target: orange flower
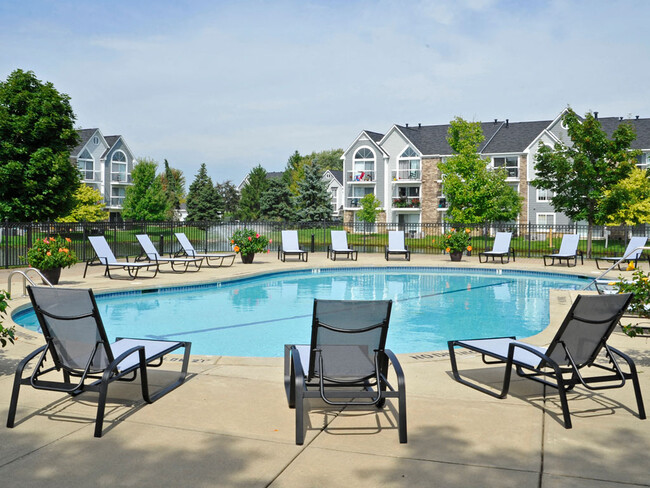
49	253
468	230
448	249
232	241
469	248
453	230
236	248
68	239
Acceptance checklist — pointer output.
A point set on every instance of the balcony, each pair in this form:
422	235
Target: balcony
407	175
121	178
116	202
91	176
356	176
353	202
406	202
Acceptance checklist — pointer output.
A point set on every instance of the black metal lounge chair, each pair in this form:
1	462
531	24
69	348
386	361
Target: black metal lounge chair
290	246
568	251
346	359
396	245
151	255
78	347
189	251
579	342
105	257
633	252
501	248
340	246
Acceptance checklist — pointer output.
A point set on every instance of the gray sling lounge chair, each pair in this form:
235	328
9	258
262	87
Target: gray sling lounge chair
579	342
340	245
151	254
105	257
346	359
80	352
500	248
290	246
632	253
188	250
568	251
396	245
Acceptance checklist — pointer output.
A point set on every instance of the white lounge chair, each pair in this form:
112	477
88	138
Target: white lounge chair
568	250
340	245
500	248
632	253
396	245
291	247
105	257
151	254
190	252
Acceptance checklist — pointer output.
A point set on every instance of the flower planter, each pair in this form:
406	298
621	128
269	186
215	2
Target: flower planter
248	258
52	275
456	255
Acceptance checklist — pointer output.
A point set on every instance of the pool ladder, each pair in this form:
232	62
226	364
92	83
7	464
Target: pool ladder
26	279
600	279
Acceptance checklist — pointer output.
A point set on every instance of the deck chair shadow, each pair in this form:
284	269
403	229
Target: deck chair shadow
501	248
105	257
580	344
189	251
396	245
151	255
339	245
568	251
345	361
632	253
290	246
82	357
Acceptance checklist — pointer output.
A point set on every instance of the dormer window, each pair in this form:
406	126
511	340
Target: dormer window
408	165
364	166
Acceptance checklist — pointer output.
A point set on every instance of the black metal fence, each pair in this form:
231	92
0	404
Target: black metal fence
529	240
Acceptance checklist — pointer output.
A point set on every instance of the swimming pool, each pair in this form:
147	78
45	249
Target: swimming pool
257	316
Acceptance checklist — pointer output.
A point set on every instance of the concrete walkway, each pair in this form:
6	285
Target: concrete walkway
229	424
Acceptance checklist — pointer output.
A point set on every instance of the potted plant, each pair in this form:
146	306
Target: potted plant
456	242
247	242
51	254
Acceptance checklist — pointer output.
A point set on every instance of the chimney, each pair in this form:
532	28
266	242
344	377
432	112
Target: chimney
419	125
637	117
407	125
596	115
507	123
495	121
620	119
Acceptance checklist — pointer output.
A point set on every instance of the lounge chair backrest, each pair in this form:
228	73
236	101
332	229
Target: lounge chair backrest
396	240
635	242
290	240
348	333
587	327
185	244
147	246
72	327
339	239
569	245
502	242
102	249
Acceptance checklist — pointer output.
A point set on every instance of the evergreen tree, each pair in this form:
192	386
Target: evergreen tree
249	203
37	181
314	201
203	200
145	200
277	202
173	184
230	196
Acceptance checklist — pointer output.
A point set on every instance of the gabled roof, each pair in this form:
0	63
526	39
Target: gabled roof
432	139
84	137
111	141
515	137
641	126
336	174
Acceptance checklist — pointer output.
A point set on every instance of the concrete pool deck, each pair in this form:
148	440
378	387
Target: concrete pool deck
229	424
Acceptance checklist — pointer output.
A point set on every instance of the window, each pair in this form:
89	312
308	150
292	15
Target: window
358	192
509	163
95	140
364	165
544	195
86	166
545	221
118	167
643	161
408	165
117	196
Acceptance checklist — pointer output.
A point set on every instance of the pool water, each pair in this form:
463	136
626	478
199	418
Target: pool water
257	316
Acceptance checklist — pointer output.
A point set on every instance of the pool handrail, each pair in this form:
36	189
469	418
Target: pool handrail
26	279
600	277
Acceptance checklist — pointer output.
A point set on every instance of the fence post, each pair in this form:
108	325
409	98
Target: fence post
529	238
7	244
161	244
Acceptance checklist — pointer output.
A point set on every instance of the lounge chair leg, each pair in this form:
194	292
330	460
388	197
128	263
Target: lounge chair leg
300	421
101	408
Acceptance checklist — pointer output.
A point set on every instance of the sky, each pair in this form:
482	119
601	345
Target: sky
234	84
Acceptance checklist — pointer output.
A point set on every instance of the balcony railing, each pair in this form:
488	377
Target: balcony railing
356	176
91	176
121	178
406	174
117	201
354	202
406	202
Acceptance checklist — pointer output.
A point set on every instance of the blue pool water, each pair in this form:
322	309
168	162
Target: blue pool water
257	316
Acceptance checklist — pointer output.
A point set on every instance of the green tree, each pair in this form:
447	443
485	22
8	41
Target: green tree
579	174
314	201
249	203
203	200
369	208
295	169
37	181
230	197
628	201
475	193
173	185
277	202
145	200
89	206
